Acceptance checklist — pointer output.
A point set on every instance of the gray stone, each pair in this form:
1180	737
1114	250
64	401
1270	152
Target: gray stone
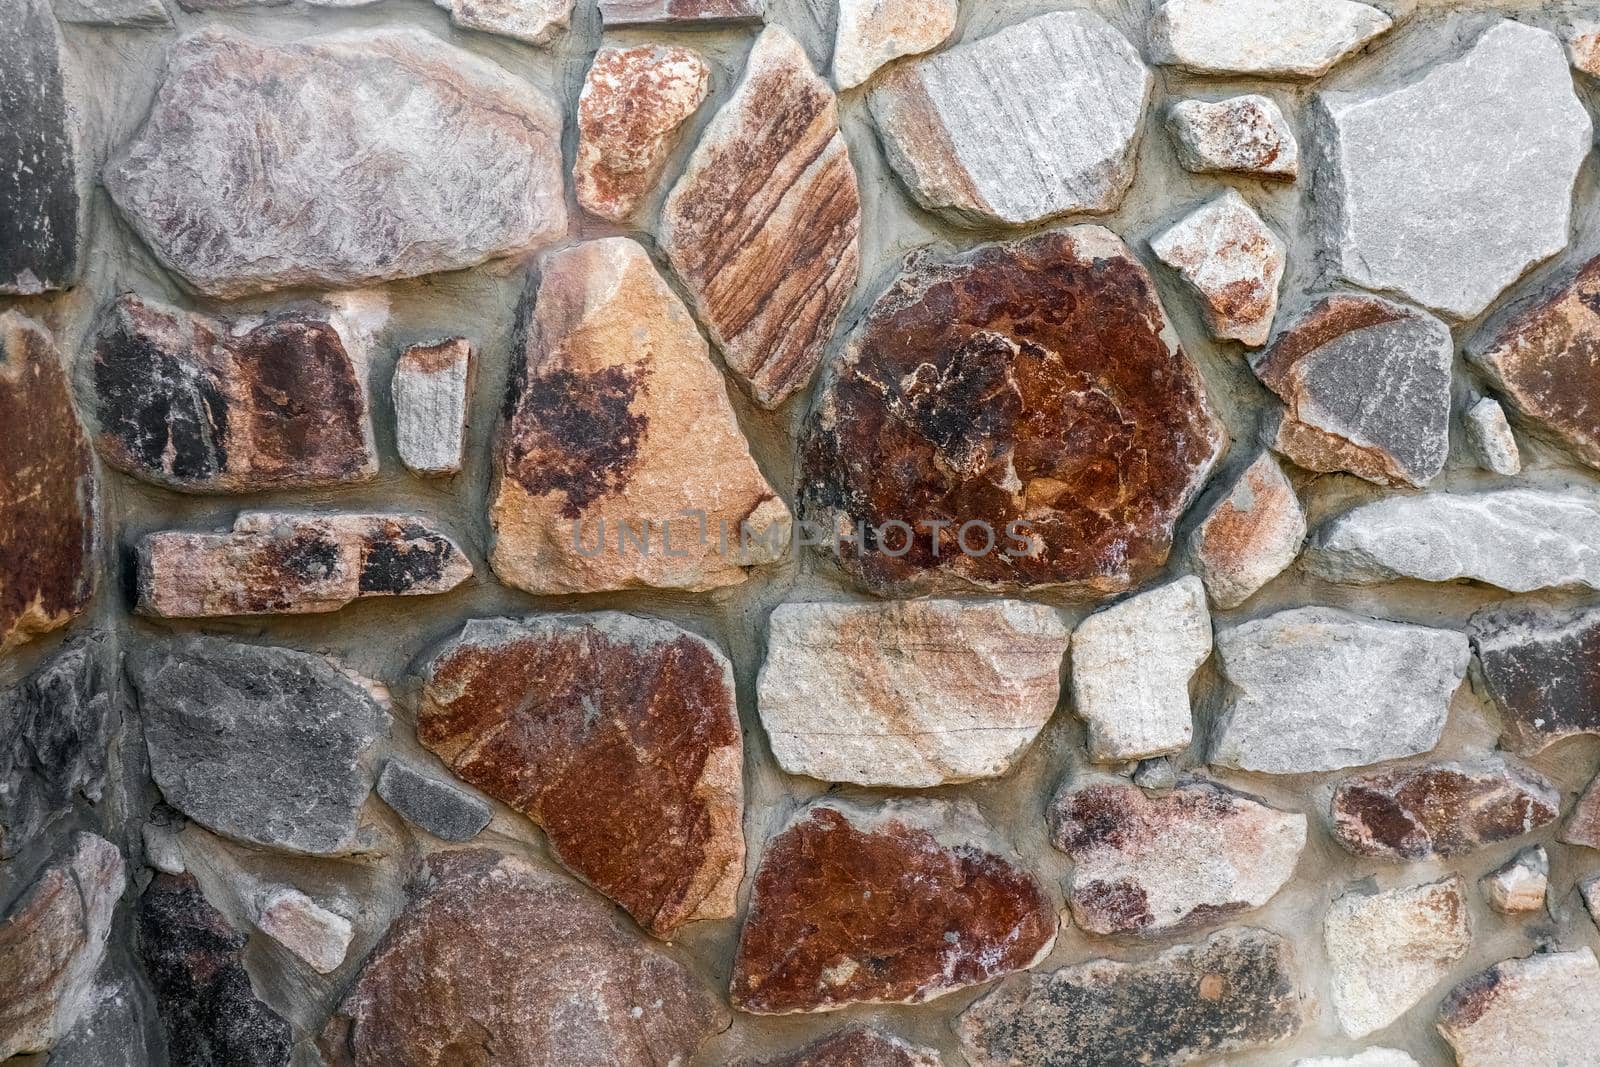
109	1033
1248	534
534	21
1317	689
1266	38
1541	1010
41	208
1542	667
113	13
440	807
1519	885
1489	434
680	14
431	388
1232	262
1240	135
1448	188
1155	775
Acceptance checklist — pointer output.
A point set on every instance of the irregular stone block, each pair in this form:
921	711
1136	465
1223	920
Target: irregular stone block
41	207
1038	120
1583	48
1372	1057
1232	992
1388	948
871	33
462	167
1249	535
111	1031
619	424
313	933
615	733
681	14
1156	775
1446	189
586	990
1153	866
899	903
444	810
535	21
1240	135
1440	809
1038	389
1489	434
1232	262
1519	884
140	13
917	693
1265	38
1543	1009
1317	689
432	387
1366	388
768	204
1542	667
1583	823
856	1046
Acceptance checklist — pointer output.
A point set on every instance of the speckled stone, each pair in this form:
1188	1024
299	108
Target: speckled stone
1232	262
40	197
442	808
1544	1009
1542	667
1519	885
1296	39
1248	533
1240	135
871	33
680	14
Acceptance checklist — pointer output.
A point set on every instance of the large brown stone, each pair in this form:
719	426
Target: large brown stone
1542	666
1544	1010
47	488
1029	396
615	733
895	904
621	426
497	962
856	1046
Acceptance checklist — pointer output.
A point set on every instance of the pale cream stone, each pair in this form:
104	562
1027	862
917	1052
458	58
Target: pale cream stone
873	32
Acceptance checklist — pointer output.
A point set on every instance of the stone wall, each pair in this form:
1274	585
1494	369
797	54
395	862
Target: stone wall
1121	504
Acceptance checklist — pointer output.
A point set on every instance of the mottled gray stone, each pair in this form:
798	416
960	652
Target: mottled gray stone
40	201
1268	38
1542	667
534	21
1489	434
1240	135
443	809
113	13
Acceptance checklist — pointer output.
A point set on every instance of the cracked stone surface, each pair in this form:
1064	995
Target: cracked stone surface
871	33
1542	1009
1232	262
1248	534
1240	135
1542	667
1293	39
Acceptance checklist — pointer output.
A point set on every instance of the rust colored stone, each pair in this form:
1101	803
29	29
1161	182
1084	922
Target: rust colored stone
897	904
1440	809
1034	387
615	733
1583	822
1542	666
856	1046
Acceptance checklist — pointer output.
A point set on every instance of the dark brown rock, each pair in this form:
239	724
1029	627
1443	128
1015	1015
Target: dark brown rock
896	904
40	201
1440	809
687	13
1542	666
856	1046
1035	382
615	733
497	962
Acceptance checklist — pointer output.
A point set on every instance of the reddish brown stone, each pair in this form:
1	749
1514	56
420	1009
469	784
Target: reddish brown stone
615	733
1440	809
1035	382
857	1046
895	904
47	488
1541	1010
497	962
1542	666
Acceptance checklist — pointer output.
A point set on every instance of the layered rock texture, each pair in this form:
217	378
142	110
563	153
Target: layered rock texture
1268	38
1536	1010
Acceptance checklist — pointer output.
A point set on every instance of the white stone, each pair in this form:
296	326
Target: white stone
534	21
1489	433
1240	135
1520	884
316	935
1232	262
162	849
113	12
430	391
1372	1057
1448	188
1131	665
1543	1010
1270	38
870	33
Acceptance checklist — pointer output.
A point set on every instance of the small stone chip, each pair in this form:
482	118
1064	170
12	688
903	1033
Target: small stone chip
1241	135
431	389
1489	434
316	935
444	810
1520	884
1249	534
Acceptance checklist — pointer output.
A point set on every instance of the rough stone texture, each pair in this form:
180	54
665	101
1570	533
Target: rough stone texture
631	111
364	184
856	1046
1267	38
432	387
1544	1009
47	485
1232	262
1447	188
1154	866
142	13
1317	689
1517	539
918	693
1388	948
261	744
109	1033
481	925
1156	775
204	405
1519	884
619	421
443	809
1037	389
208	1006
1583	823
1366	389
680	14
294	563
1249	534
1542	667
1583	48
619	736
1440	809
898	903
534	21
1489	434
52	942
1543	356
316	935
1239	135
1372	1057
768	205
1234	991
40	196
1038	120
1131	665
871	33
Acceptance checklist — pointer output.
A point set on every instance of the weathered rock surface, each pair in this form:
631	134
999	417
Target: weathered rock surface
1131	665
895	904
432	386
1267	38
1440	809
1241	135
1583	823
1248	535
1317	689
113	12
1232	262
621	423
1388	948
1542	667
316	935
680	14
916	693
109	1033
365	184
1543	356
1447	188
1372	1057
630	116
871	33
51	944
619	736
498	960
1489	434
47	485
1543	1009
1039	393
443	809
1366	389
768	206
1153	866
1583	48
1232	992
1517	539
534	21
1038	120
855	1046
264	745
201	405
1519	884
40	196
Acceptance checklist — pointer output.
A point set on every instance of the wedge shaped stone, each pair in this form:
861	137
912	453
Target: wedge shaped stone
1542	667
1441	809
1542	1009
1232	262
1267	38
1489	434
1249	534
